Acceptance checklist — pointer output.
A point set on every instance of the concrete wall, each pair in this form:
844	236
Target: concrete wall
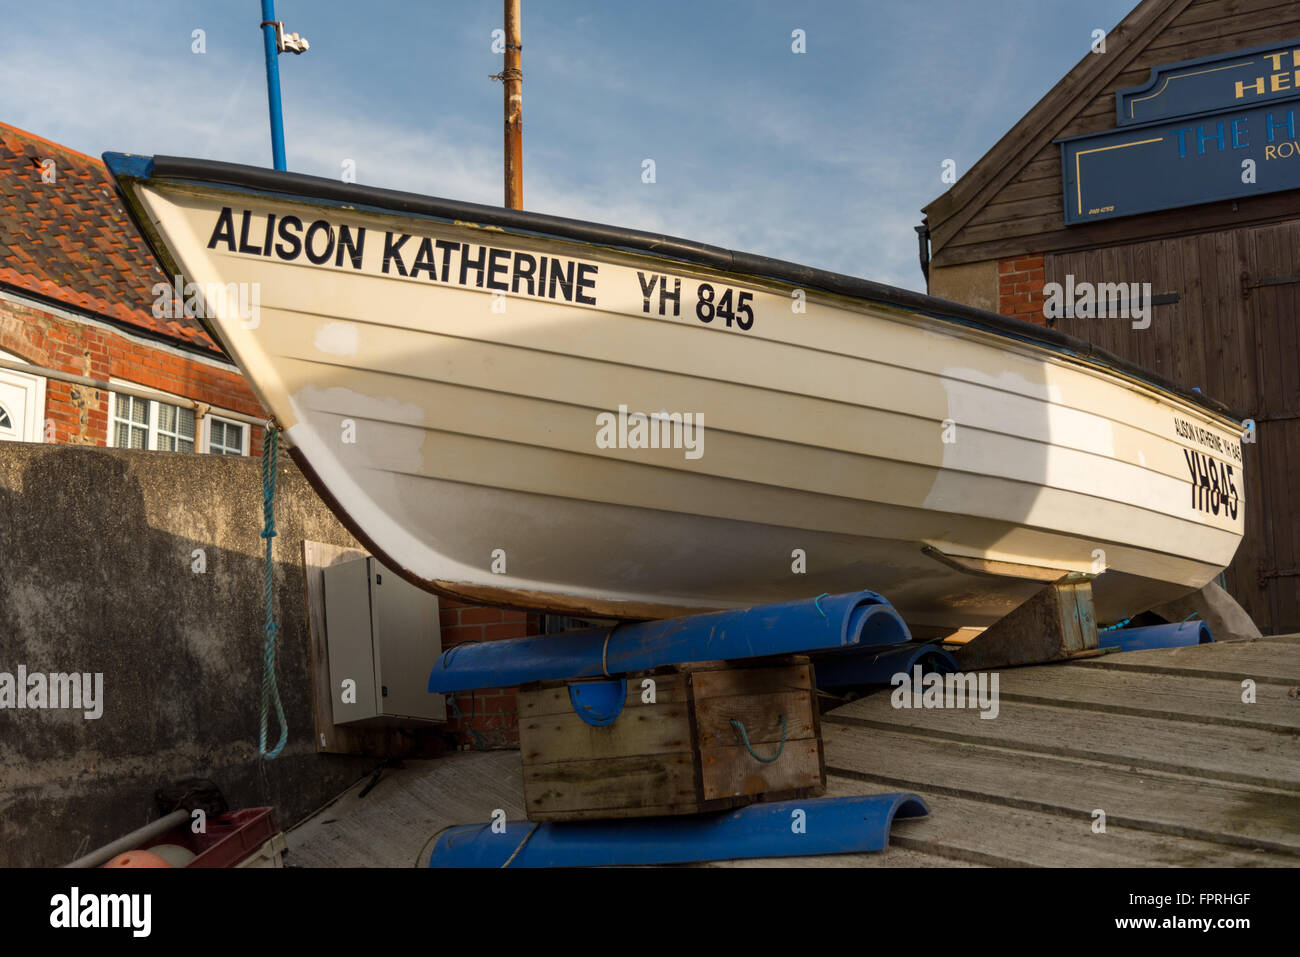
975	284
96	576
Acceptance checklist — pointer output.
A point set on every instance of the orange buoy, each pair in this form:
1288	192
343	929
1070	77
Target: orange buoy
173	854
137	859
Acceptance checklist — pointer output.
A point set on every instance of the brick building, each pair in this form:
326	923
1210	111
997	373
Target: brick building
96	350
78	289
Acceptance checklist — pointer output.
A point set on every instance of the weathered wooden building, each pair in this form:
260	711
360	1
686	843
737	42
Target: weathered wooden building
1168	157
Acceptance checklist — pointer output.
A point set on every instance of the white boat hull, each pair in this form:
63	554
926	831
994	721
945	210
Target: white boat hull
846	444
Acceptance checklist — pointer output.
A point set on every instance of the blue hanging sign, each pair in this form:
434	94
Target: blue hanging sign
1243	78
1157	166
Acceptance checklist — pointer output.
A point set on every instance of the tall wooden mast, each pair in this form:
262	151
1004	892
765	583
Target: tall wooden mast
513	81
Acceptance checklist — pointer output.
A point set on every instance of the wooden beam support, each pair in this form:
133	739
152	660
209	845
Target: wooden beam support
1056	624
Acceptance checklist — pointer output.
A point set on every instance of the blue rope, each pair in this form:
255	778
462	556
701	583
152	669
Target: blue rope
270	689
744	738
818	603
479	739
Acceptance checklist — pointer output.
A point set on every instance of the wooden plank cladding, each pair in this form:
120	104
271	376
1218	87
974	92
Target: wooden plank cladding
1231	332
1010	202
681	752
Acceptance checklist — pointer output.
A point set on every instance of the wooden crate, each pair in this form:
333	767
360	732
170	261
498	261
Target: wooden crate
679	755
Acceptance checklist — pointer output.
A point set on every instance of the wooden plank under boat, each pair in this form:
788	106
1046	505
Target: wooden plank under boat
455	380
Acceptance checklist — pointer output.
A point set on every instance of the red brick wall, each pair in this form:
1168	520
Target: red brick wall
80	415
495	721
1020	288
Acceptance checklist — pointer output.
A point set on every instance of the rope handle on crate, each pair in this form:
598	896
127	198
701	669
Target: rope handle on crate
739	727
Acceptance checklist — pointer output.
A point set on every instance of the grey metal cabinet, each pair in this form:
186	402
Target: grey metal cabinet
383	637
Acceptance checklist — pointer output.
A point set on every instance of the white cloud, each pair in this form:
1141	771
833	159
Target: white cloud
215	106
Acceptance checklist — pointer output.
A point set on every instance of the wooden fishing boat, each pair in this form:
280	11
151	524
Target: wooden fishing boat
521	409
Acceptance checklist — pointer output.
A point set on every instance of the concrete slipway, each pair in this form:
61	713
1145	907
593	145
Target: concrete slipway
1161	741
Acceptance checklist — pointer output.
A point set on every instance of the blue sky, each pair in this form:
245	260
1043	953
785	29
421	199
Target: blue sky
824	158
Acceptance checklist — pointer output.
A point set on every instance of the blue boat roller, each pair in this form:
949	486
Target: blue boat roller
848	622
1157	636
843	825
878	666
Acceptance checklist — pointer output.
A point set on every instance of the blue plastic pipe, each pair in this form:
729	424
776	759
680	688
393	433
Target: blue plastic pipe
273	83
879	667
843	825
842	623
1157	636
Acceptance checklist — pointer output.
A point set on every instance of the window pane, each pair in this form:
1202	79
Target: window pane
225	438
129	437
175	428
130	422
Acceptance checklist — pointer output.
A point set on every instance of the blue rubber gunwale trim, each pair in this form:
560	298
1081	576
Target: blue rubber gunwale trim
129	165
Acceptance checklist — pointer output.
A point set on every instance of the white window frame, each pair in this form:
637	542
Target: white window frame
147	425
33	429
158	432
150	426
201	439
207	432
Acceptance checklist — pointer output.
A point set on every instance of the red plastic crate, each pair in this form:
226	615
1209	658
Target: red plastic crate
230	838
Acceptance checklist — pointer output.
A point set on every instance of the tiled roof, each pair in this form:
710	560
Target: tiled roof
70	240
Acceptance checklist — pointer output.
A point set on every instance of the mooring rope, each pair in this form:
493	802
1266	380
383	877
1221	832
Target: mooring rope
270	688
511	858
744	739
1121	624
479	739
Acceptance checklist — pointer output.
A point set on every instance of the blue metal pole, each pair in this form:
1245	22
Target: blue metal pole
273	83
